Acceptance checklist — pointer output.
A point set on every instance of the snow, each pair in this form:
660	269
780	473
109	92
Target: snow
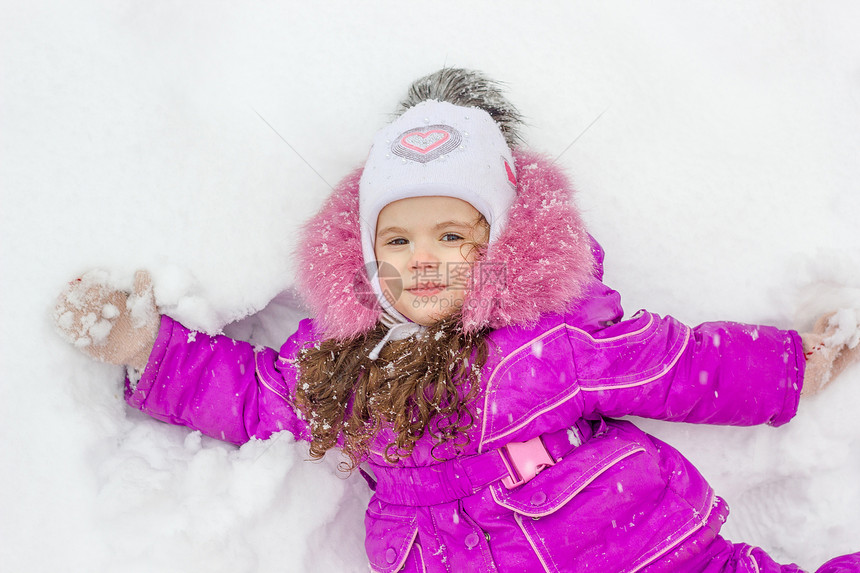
846	331
714	146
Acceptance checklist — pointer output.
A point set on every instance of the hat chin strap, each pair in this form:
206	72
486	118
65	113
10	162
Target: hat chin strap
397	330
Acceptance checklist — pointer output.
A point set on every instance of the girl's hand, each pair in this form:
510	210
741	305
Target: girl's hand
829	349
108	324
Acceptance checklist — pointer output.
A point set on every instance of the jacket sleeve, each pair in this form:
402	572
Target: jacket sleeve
716	373
227	389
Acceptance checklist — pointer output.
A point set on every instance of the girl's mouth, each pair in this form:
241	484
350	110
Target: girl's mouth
428	289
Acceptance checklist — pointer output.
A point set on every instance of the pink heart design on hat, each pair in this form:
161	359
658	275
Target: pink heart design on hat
425	142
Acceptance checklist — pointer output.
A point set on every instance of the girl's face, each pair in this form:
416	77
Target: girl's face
425	247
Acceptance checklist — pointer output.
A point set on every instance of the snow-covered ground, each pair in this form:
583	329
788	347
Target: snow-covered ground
722	177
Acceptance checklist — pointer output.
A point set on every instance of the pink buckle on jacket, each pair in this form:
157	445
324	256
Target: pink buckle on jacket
524	461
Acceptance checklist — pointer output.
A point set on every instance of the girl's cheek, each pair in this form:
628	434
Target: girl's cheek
459	276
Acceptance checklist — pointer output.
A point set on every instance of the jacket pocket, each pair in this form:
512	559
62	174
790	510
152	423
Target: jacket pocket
390	538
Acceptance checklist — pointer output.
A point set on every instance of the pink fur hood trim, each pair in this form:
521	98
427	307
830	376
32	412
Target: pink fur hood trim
540	263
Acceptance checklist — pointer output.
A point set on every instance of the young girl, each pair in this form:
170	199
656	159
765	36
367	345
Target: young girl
465	352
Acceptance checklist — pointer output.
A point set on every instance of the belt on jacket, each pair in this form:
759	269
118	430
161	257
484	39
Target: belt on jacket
514	464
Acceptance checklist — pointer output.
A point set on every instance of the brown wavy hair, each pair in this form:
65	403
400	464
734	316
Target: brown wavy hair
421	384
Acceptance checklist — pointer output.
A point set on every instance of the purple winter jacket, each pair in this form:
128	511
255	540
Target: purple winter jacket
616	499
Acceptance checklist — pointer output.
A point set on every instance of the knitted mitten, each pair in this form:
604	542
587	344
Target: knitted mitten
829	349
108	324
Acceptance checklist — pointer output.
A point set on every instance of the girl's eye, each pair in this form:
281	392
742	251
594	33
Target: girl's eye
397	242
451	237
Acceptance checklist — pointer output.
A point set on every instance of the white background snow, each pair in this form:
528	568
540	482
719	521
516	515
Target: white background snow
722	177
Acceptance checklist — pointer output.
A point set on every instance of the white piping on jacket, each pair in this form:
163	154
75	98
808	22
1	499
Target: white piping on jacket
668	367
484	439
408	547
262	378
498	367
519	519
697	524
752	559
573	494
614	338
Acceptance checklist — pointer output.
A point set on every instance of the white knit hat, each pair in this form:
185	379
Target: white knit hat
436	149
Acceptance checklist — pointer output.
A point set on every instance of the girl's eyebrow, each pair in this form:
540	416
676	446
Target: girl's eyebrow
399	230
402	231
451	224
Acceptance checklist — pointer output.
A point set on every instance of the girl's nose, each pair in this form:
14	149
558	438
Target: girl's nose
423	258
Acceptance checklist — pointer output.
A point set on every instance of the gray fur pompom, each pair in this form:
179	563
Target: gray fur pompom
468	88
